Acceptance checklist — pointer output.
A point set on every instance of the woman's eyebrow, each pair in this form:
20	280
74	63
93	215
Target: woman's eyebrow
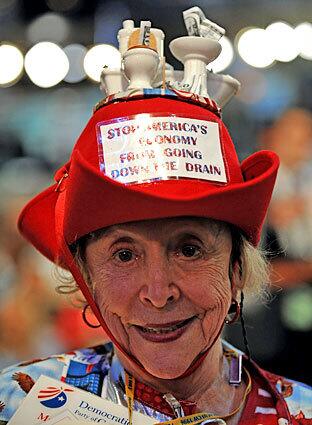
126	239
106	232
209	241
188	235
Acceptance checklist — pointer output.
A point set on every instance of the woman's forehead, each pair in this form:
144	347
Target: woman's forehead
167	226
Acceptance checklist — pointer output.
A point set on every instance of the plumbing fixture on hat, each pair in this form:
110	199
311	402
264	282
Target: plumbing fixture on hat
196	50
145	46
142	49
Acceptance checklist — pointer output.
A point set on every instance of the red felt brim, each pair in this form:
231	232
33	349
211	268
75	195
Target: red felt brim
242	204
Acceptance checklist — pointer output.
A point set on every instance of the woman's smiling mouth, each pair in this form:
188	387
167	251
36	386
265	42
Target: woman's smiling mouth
164	332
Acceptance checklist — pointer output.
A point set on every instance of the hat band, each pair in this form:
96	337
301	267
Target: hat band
206	102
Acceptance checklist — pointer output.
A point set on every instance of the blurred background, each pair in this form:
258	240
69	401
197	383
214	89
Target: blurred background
51	56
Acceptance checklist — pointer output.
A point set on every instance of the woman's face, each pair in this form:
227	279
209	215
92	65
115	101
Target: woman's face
163	288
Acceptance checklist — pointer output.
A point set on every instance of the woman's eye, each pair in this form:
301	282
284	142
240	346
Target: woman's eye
124	255
190	250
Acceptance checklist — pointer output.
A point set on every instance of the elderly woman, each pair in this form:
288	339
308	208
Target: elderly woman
158	224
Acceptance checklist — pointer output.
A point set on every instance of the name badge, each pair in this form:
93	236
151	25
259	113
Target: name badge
56	402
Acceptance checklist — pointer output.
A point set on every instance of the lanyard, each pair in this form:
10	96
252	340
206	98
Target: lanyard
130	385
197	418
194	419
189	420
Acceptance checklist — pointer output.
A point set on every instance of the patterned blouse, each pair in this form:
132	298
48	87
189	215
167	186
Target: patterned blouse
272	400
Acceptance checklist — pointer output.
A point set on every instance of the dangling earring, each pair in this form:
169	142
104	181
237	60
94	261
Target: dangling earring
241	304
234	309
84	318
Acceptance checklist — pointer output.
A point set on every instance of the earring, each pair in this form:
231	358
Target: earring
234	309
84	317
241	305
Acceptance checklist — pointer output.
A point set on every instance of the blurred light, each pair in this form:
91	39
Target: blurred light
49	26
63	5
46	64
296	310
225	58
11	64
75	54
254	47
304	36
100	56
283	42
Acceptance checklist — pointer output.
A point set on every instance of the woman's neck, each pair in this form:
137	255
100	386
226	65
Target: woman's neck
208	386
209	377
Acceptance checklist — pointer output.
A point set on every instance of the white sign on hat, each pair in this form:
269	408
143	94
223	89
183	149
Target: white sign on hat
146	147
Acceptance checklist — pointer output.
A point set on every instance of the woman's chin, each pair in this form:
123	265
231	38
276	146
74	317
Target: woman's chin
169	371
164	365
167	355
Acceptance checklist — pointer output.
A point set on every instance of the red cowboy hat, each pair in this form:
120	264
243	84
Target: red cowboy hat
92	200
86	195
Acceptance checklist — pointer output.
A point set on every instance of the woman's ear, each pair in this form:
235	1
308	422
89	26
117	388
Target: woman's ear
236	278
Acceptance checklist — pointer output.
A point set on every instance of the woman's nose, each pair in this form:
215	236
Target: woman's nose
158	288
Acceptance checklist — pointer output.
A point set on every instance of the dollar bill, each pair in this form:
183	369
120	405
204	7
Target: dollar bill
145	31
198	25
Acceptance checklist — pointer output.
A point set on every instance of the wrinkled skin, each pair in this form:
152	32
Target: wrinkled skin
159	272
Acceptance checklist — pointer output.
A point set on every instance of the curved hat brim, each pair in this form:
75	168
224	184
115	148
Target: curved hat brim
241	204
